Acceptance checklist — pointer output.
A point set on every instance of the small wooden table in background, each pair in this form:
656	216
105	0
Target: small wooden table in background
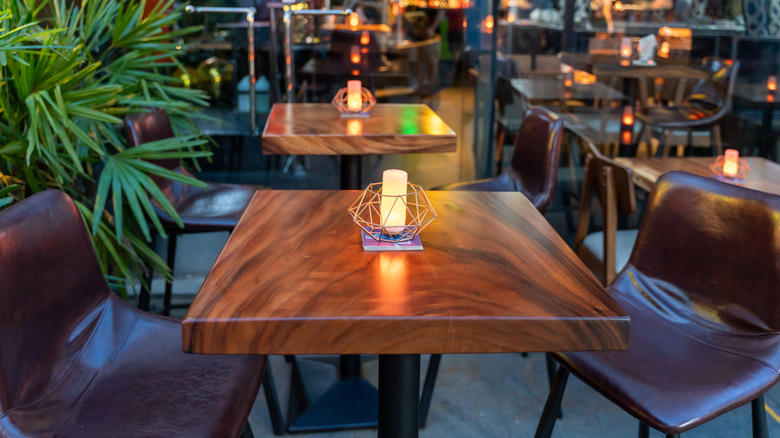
764	175
319	129
493	277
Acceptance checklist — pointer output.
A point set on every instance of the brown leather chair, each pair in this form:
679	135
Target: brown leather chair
703	109
77	361
534	169
217	208
701	288
605	252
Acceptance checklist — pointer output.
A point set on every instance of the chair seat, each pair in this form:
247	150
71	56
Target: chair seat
670	350
508	181
683	116
624	243
132	379
214	209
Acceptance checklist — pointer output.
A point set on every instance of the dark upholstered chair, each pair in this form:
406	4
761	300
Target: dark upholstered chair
78	361
605	252
534	169
702	110
216	208
701	288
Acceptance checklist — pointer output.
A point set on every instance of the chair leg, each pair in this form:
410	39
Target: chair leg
169	282
760	428
272	400
717	140
551	369
644	430
246	432
427	392
553	405
672	435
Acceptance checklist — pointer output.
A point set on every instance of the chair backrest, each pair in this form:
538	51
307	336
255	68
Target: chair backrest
713	95
152	126
711	250
52	292
613	185
535	158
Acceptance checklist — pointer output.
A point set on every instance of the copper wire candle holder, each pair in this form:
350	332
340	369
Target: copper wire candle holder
340	102
743	169
366	209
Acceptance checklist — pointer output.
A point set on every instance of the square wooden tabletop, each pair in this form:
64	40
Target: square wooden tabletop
493	277
319	129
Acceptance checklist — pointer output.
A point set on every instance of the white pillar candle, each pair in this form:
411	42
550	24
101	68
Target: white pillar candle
731	162
393	207
625	47
354	99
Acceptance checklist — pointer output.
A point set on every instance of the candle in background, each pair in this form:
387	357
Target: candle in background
354	54
364	38
625	47
354	100
731	162
511	15
489	24
628	115
663	52
392	210
771	83
353	19
567	80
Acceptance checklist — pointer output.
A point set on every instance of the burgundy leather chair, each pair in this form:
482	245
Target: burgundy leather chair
76	360
701	288
217	208
534	169
703	109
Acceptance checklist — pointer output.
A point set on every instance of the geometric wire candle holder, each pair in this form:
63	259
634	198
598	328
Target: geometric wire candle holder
365	212
743	169
340	102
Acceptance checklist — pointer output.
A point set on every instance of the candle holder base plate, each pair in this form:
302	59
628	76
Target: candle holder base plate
376	243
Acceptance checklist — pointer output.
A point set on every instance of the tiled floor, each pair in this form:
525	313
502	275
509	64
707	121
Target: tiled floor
496	395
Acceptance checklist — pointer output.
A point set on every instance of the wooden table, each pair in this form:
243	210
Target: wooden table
544	90
319	129
493	277
764	175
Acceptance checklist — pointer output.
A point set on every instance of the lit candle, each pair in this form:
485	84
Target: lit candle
354	54
731	162
665	48
628	115
393	207
771	83
353	19
489	24
625	47
511	15
354	100
364	38
567	81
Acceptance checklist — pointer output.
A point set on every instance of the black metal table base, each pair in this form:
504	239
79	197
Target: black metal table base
399	394
348	403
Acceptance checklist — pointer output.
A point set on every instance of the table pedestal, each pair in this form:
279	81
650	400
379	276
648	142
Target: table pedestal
399	395
351	172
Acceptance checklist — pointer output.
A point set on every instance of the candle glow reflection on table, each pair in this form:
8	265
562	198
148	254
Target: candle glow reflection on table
731	163
392	210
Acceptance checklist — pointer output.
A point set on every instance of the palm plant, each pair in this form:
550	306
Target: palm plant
70	69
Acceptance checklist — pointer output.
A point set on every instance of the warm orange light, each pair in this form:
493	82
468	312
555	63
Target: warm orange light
464	23
354	100
354	127
675	32
355	72
353	19
365	38
567	95
393	284
567	83
628	115
510	17
771	83
770	98
625	62
625	137
354	54
618	6
392	210
625	47
663	52
489	23
731	162
395	9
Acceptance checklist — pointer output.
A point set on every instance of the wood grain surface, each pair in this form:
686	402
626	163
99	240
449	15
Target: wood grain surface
764	175
610	65
493	277
539	90
319	129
